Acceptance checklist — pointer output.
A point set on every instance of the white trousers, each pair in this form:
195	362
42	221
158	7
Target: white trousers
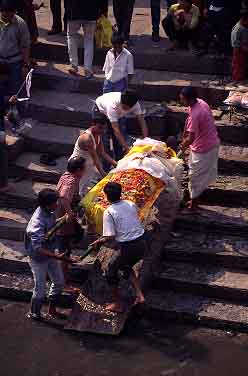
203	168
73	28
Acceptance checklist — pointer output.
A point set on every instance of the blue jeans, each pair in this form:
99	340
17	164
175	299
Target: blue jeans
40	270
155	13
119	86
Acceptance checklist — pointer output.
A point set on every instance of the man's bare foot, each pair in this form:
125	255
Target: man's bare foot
114	307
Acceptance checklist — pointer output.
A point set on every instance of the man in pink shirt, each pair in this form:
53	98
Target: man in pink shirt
200	135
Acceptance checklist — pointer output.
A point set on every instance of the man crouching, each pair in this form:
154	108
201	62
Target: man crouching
42	257
121	223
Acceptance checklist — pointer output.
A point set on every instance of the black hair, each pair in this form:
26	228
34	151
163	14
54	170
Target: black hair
189	93
75	164
113	191
244	13
189	1
100	118
129	98
117	38
47	197
8	5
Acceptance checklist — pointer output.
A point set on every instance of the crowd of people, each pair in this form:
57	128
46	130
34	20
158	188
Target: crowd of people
107	139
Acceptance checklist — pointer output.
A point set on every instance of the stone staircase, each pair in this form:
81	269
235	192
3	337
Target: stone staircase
204	275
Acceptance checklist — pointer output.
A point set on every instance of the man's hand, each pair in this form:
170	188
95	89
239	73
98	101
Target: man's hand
63	257
70	217
126	149
13	99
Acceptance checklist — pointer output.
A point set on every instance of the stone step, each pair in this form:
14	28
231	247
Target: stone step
160	305
228	190
74	110
233	159
15	146
25	194
150	84
28	165
215	219
147	55
199	310
14	260
13	223
207	248
210	281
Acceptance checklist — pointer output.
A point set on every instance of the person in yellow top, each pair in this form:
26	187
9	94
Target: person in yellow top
182	22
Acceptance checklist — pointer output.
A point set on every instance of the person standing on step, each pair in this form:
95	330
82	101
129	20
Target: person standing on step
89	145
115	106
240	48
201	137
4	71
43	259
118	66
155	14
68	191
14	46
82	14
123	12
57	28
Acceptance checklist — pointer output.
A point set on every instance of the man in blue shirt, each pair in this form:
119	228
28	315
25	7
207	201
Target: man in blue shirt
42	257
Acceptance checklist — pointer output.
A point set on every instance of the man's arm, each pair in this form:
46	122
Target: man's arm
187	140
105	155
143	126
88	145
119	136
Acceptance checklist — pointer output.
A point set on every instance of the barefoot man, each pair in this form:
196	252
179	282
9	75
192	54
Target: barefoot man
121	223
201	137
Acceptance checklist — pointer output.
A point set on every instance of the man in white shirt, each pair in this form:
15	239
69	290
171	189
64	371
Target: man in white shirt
115	106
121	223
118	66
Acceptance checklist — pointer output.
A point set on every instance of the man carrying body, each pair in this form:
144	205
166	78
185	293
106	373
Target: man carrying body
115	106
121	223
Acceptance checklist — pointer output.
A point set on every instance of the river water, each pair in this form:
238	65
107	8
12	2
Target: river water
164	349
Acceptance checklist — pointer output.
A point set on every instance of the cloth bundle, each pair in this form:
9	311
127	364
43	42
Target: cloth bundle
237	99
148	169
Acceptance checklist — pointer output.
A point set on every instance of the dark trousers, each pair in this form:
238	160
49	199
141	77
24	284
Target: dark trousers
123	12
3	147
155	13
220	25
55	6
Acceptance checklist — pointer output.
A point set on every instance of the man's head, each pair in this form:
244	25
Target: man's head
188	96
117	42
99	124
76	166
129	98
113	192
244	17
47	199
7	9
186	4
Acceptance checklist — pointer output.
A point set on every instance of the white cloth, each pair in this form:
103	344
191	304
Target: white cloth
110	105
89	28
118	68
203	168
91	174
168	170
121	221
